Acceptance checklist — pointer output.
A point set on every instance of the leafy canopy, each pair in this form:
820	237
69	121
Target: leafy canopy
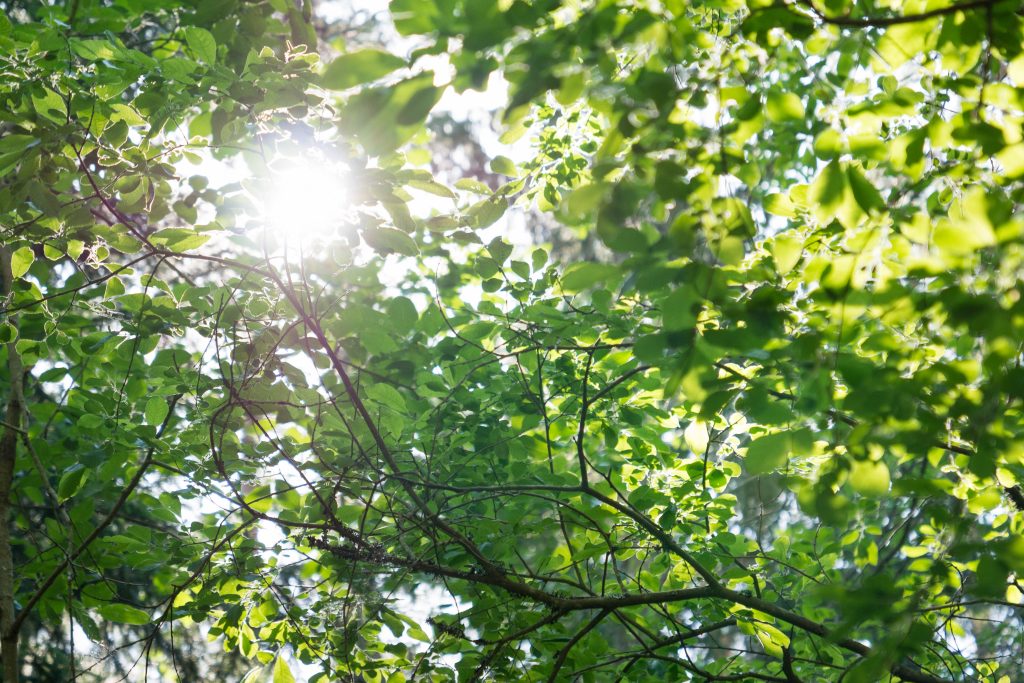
757	420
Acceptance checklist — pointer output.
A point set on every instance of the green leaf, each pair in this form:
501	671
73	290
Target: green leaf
418	106
255	675
382	118
386	396
16	142
90	421
282	672
389	240
725	254
644	497
991	577
88	624
179	239
117	134
581	276
472	185
50	106
259	499
779	205
869	478
863	191
487	212
72	481
968	227
124	614
202	43
786	248
538	258
772	639
696	436
500	250
75	249
21	261
668	518
355	68
650	348
113	288
432	187
504	166
93	50
772	451
784	106
123	112
827	192
156	410
402	313
767	453
677	310
828	144
586	199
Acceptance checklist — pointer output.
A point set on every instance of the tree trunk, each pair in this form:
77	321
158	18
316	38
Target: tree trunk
8	455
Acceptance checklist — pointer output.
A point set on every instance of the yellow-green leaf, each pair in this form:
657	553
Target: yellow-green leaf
282	672
21	261
869	478
968	227
784	106
786	248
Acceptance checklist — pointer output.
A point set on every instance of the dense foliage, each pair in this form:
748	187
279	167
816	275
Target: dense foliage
767	429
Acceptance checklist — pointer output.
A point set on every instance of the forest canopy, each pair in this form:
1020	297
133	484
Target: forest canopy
552	340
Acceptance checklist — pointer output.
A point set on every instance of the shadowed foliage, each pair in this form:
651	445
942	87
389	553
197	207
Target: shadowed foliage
714	374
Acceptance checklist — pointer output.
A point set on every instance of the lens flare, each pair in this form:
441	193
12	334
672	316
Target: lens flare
306	201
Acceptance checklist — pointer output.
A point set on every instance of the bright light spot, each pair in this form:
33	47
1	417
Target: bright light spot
306	200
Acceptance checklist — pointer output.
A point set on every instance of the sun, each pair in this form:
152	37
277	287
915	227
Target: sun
306	200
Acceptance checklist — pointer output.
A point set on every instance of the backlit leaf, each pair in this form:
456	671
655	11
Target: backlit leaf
202	43
362	66
124	614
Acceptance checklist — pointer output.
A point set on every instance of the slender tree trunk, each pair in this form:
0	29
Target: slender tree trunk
8	455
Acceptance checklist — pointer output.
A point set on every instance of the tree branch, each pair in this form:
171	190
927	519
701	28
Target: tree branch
881	22
564	652
104	523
